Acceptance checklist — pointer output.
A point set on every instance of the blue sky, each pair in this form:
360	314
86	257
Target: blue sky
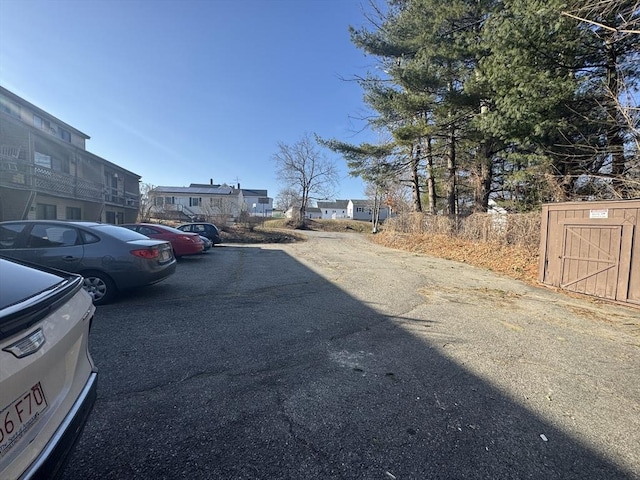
183	91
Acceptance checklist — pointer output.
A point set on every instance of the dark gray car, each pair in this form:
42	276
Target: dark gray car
208	230
110	258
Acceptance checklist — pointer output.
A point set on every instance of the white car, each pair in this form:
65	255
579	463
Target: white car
47	377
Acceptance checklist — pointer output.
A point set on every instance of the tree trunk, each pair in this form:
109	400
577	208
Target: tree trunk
483	178
375	219
451	174
415	179
431	179
303	206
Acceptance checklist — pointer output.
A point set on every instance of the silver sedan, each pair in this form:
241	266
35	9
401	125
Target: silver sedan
110	258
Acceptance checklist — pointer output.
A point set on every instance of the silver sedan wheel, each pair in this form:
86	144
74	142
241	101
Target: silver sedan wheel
96	287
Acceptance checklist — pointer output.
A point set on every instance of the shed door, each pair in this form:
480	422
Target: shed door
591	259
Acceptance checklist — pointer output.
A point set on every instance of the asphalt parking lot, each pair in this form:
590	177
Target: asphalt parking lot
339	359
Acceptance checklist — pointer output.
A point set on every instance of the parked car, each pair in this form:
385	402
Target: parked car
183	243
47	379
110	258
208	230
207	243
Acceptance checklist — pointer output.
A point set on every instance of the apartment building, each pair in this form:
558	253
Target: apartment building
47	173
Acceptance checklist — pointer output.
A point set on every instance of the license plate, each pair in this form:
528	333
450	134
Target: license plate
17	418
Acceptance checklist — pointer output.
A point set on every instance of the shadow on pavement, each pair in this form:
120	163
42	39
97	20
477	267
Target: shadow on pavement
249	365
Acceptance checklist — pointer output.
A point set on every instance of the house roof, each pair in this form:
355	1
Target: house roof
308	209
205	185
200	190
361	202
212	189
254	193
12	96
339	204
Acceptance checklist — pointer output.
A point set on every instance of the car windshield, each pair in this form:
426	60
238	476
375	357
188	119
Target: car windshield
120	233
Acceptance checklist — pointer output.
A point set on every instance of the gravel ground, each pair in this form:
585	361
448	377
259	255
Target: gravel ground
336	358
571	361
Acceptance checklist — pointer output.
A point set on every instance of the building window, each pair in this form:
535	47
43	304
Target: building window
60	164
194	201
74	213
46	212
7	106
114	218
42	124
42	160
360	209
64	134
54	163
170	200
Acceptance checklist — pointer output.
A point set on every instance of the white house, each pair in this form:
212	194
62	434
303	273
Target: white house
343	209
363	210
350	209
197	202
334	210
311	212
257	203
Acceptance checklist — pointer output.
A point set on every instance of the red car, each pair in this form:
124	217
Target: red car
183	243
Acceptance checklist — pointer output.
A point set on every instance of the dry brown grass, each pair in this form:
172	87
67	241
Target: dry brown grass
321	225
512	260
513	229
506	244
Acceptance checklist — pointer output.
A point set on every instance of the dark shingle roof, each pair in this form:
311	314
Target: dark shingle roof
339	204
361	202
254	193
210	190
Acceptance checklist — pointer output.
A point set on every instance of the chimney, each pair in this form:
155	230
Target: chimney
211	182
238	185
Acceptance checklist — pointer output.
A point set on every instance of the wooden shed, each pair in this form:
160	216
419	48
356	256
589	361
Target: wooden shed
592	248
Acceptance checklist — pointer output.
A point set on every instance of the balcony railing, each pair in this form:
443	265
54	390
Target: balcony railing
125	199
46	180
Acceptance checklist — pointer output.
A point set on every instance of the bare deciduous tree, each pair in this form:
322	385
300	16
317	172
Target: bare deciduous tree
287	198
597	13
219	210
616	24
146	202
302	168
